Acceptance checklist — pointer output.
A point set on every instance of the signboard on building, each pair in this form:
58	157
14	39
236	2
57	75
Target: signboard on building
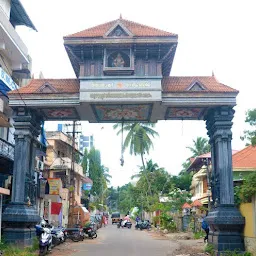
87	186
6	81
54	186
116	90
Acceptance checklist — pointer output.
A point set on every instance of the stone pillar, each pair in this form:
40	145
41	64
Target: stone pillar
226	222
20	217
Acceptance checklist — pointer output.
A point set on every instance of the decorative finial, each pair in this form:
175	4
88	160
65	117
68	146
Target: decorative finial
120	16
213	73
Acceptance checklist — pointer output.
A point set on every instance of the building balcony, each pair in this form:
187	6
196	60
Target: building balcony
6	149
6	156
64	163
11	44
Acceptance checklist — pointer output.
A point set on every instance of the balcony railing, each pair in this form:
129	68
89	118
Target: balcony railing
6	149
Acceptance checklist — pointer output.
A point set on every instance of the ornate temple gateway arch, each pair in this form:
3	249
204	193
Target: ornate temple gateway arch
122	71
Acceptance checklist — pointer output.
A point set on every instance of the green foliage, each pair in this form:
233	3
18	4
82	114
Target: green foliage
209	249
92	206
236	253
237	195
85	161
10	250
138	136
199	234
200	147
35	244
178	197
166	221
248	189
156	220
250	135
98	173
138	140
182	181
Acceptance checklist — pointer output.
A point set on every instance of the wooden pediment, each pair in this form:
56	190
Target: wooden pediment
118	30
47	88
196	86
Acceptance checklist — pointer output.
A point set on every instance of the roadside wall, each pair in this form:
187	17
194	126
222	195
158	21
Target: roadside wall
248	210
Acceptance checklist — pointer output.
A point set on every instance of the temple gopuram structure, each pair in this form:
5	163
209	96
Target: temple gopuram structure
123	75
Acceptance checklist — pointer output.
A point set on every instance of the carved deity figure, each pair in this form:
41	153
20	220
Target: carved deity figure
118	61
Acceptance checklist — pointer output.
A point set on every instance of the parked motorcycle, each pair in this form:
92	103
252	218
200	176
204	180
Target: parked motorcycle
88	231
57	236
144	225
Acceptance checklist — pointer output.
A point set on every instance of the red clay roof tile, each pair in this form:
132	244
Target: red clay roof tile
138	30
169	84
186	205
182	83
245	158
196	203
60	85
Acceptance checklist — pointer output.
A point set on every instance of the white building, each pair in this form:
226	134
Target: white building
15	65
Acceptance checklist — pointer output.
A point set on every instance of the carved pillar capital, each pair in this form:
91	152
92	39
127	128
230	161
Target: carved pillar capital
219	122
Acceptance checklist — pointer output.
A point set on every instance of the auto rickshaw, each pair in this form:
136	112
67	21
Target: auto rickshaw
115	217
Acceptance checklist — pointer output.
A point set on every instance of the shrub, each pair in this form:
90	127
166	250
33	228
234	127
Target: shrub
156	220
209	249
199	234
167	222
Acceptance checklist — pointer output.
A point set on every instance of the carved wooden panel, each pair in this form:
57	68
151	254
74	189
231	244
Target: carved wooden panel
152	68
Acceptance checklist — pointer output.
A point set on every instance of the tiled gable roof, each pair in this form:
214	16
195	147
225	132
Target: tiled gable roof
245	158
138	30
182	83
60	85
169	85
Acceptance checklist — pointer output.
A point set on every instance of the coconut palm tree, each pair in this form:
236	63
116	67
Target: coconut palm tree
138	139
200	147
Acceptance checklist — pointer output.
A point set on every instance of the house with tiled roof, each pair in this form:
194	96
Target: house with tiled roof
243	161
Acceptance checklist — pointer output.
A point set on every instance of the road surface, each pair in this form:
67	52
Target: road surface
112	241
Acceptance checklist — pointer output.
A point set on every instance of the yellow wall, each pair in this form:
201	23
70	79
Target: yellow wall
247	211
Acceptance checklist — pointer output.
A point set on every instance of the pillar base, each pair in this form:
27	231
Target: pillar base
19	222
226	225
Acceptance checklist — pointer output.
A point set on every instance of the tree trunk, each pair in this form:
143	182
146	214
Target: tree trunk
146	176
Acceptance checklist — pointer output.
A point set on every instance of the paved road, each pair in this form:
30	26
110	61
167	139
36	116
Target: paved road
112	241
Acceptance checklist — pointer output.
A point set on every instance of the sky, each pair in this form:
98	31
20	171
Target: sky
214	36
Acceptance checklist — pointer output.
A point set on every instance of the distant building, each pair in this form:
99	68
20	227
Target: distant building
57	172
85	142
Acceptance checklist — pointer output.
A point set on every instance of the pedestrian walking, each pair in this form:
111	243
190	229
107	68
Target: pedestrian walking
206	228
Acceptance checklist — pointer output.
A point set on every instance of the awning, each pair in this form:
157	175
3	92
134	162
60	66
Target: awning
19	16
6	82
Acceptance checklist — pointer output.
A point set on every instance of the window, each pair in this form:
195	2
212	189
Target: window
199	188
118	62
118	59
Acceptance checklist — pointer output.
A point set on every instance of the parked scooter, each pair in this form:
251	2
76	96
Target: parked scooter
145	225
45	240
57	236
